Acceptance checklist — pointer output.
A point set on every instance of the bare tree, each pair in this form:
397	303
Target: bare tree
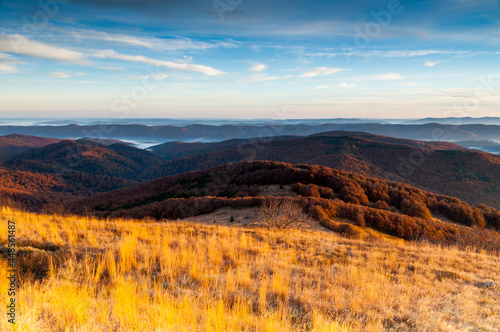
281	214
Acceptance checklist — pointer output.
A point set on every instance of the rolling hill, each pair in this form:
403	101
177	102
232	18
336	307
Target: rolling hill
390	207
440	167
179	149
68	156
45	191
54	175
11	145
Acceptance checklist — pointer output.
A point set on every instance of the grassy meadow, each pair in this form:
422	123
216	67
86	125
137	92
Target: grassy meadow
84	274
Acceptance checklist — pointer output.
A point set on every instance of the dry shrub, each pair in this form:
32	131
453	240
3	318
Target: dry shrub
281	214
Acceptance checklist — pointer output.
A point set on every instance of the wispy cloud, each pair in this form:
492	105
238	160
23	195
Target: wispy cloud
7	64
322	71
347	85
7	69
388	54
59	74
321	87
388	77
157	77
114	68
18	44
62	74
431	63
110	54
263	78
170	44
258	67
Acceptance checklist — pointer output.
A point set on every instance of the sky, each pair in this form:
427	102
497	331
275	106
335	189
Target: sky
248	59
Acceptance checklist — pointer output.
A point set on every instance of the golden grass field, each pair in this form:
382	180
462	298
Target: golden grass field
117	275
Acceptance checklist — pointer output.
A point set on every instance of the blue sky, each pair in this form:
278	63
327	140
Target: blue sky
249	59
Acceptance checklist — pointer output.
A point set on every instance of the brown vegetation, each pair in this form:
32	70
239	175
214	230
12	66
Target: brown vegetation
281	214
436	166
393	208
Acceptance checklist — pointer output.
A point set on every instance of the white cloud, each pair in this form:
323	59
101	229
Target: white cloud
7	64
411	54
113	68
157	77
389	77
389	54
172	44
143	77
321	71
258	67
263	78
432	63
414	84
7	69
59	74
347	85
110	54
320	87
19	44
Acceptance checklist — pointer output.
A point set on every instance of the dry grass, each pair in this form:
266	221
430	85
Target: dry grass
122	275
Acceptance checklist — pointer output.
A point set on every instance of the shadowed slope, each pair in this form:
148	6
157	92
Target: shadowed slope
441	167
11	145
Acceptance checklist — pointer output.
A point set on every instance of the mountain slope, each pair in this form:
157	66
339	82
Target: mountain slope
11	145
38	191
55	175
179	149
436	166
117	160
394	208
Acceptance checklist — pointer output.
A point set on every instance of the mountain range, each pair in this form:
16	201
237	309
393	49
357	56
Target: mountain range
80	168
427	131
441	167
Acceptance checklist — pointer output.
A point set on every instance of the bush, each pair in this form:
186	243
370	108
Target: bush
281	214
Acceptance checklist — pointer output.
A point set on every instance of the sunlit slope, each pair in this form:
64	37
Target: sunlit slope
79	274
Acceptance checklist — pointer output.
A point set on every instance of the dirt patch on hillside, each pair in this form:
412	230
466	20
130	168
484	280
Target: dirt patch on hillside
248	217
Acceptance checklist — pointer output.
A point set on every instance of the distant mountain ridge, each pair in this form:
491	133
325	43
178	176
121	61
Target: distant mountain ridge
429	131
456	121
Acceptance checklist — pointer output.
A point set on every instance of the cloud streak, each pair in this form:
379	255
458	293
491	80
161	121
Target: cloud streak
263	78
110	54
431	63
388	77
389	54
62	74
7	69
258	67
18	44
347	85
322	71
170	44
